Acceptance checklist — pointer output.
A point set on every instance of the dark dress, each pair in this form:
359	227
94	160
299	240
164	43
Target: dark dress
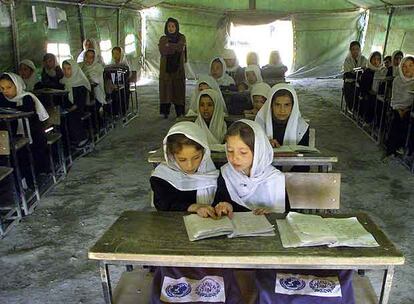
367	107
238	75
77	132
279	133
49	81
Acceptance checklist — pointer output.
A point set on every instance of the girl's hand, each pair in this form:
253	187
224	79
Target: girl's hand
261	211
203	210
274	143
224	208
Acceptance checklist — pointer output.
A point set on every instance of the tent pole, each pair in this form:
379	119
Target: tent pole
390	14
81	25
15	35
118	26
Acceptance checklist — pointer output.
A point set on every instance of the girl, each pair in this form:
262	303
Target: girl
119	57
401	103
218	72
393	70
253	75
27	70
352	61
204	82
252	59
249	181
51	73
187	181
275	70
211	116
13	95
94	72
78	86
90	44
172	47
232	66
281	119
258	96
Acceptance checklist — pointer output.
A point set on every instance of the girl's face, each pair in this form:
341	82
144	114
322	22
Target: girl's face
67	70
397	60
355	50
282	107
171	28
408	68
8	88
376	61
251	77
206	108
239	154
89	58
387	62
230	62
189	159
24	71
216	69
258	101
251	59
274	58
203	86
116	55
50	63
89	45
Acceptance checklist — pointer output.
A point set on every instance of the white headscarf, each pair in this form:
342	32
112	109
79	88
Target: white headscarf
212	83
94	73
217	129
224	79
51	72
265	187
296	126
401	86
230	54
95	47
124	59
33	79
260	89
379	72
253	68
18	99
77	79
395	70
204	180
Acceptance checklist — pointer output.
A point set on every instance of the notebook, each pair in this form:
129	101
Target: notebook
243	224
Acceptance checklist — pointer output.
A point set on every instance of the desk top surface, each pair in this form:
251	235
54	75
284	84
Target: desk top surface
12	116
50	91
4	172
160	239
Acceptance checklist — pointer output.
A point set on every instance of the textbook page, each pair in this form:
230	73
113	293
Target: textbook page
200	228
287	236
249	224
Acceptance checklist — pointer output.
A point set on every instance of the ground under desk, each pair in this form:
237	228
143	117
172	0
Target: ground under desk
323	162
160	239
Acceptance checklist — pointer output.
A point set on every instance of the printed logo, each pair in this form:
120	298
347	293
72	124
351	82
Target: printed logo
208	288
178	290
322	285
292	283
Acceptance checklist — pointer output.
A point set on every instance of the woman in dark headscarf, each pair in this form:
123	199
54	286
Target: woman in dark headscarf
172	47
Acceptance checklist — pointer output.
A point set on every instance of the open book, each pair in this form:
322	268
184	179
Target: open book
295	149
302	230
241	225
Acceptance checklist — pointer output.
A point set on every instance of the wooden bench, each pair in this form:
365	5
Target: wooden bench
10	210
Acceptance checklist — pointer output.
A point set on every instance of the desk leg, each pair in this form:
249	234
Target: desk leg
106	282
386	285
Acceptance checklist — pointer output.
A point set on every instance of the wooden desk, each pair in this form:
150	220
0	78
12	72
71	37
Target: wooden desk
323	162
160	239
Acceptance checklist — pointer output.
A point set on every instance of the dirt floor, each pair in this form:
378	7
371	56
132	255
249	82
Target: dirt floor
44	259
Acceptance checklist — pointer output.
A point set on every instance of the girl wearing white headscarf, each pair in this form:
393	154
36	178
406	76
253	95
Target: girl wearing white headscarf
232	66
401	103
261	187
393	70
258	96
76	80
218	72
94	72
51	72
26	102
253	75
90	44
275	70
174	188
212	84
119	57
294	130
27	70
216	128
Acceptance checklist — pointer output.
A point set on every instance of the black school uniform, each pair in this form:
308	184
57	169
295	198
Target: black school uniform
77	131
367	107
49	81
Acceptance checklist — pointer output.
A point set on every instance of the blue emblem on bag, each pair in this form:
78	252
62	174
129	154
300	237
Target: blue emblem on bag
208	288
322	285
178	290
292	283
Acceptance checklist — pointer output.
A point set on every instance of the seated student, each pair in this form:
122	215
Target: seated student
387	61
253	75
94	72
119	57
27	70
51	73
218	72
204	82
275	70
252	59
249	181
393	70
232	66
90	44
401	103
369	86
13	96
78	86
258	96
281	119
211	116
352	61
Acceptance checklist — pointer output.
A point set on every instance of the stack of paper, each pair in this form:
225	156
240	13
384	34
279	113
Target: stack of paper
241	225
302	230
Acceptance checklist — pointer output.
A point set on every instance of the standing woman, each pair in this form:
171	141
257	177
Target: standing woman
173	52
